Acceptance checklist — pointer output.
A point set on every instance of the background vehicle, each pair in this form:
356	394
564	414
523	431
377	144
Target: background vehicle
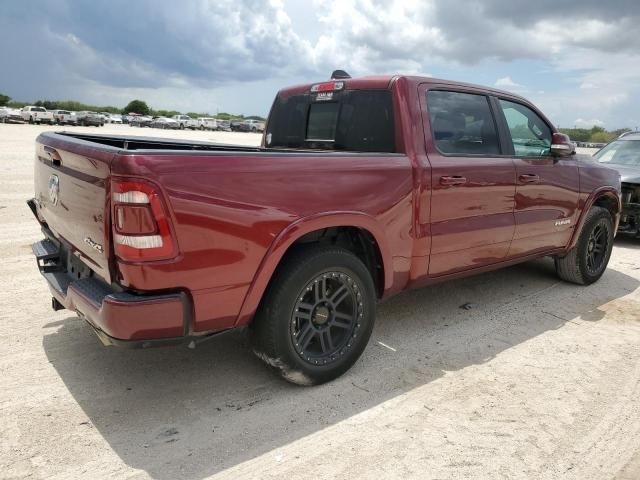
223	125
140	121
114	118
185	121
164	123
106	116
37	115
86	118
623	154
207	123
362	188
64	117
10	115
235	125
251	126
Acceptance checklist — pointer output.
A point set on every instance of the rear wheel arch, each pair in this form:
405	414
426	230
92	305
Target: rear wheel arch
358	233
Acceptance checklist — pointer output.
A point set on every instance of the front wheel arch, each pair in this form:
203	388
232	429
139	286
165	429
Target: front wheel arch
606	197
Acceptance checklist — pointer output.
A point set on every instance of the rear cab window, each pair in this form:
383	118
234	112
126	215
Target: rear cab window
341	119
462	123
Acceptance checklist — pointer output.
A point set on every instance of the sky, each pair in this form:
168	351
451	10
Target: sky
578	60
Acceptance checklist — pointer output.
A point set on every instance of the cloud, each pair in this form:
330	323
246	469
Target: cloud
582	123
230	53
507	83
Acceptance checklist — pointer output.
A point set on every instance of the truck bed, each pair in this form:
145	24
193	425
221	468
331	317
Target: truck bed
126	142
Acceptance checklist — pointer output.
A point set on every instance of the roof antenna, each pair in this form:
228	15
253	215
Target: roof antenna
339	75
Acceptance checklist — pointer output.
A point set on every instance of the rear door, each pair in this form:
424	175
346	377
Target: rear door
547	187
71	184
473	181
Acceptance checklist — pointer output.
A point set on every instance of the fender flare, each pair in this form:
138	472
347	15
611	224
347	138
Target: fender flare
295	231
610	192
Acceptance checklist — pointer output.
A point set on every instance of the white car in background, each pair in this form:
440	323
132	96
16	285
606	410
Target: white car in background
33	114
185	121
106	116
207	123
113	118
10	115
64	117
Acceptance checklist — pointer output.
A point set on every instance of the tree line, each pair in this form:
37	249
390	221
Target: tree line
593	135
134	106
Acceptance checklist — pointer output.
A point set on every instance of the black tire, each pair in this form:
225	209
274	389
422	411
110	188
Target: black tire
181	126
341	318
587	261
31	120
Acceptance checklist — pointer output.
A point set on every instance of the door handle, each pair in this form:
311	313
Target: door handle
452	180
529	178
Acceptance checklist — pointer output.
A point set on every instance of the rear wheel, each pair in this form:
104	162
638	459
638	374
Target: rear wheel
588	260
317	315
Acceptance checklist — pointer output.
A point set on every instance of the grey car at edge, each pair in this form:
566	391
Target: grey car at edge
623	155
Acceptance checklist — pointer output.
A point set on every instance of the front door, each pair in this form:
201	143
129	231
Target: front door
547	187
473	182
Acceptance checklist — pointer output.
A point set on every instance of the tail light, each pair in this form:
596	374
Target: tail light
327	87
140	222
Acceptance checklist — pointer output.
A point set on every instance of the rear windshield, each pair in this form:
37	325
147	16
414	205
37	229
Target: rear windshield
352	120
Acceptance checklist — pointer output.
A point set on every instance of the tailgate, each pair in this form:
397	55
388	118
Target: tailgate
71	191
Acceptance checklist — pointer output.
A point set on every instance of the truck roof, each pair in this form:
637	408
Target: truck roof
375	82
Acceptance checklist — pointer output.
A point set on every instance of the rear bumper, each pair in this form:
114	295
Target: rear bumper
118	317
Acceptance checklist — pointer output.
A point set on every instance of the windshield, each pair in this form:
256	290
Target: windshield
350	120
620	152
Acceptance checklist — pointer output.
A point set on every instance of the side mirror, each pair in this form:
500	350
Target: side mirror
561	145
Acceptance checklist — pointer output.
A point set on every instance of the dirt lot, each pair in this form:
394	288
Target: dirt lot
541	379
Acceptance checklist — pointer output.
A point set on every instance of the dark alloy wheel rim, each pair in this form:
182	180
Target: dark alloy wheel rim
326	318
597	246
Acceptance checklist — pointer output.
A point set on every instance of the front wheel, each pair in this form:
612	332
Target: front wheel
587	261
317	315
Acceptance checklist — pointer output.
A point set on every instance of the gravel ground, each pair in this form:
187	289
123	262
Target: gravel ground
540	379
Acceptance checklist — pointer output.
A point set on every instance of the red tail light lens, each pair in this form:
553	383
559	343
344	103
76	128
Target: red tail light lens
140	223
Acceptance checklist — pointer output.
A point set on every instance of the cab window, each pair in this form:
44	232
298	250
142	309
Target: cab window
530	135
462	123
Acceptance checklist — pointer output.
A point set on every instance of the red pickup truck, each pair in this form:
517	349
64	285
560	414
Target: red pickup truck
362	187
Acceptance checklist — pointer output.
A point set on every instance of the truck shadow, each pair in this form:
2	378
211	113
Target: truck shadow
179	413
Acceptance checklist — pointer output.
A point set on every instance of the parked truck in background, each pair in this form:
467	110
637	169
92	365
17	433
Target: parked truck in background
38	115
64	117
185	121
361	188
207	123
